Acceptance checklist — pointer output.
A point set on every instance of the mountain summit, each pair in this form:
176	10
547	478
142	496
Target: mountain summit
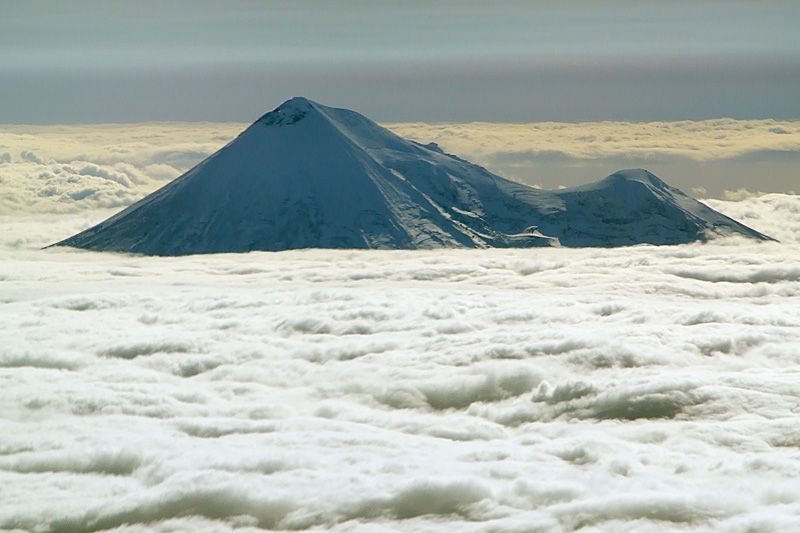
309	176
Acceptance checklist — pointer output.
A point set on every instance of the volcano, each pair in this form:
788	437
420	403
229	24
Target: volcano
310	176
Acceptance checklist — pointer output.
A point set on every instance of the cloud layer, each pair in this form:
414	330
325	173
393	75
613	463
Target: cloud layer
68	169
777	215
697	140
700	157
641	388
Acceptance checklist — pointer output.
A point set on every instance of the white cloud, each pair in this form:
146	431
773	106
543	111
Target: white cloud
62	169
777	215
696	140
476	390
642	388
68	169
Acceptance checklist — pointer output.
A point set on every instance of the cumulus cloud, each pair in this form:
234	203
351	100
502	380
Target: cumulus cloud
68	169
31	157
645	388
777	215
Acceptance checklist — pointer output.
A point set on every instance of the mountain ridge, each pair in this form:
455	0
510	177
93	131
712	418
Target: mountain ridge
305	175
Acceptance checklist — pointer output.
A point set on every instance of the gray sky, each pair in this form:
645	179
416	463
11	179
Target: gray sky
89	61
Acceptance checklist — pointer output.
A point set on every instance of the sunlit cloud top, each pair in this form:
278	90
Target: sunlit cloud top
697	140
68	169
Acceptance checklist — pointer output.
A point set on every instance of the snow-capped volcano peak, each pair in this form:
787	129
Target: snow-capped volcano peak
297	102
290	112
310	176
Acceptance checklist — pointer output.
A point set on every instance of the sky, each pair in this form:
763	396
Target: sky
80	61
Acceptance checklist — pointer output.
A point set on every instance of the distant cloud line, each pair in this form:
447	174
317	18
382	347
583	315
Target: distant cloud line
704	140
67	169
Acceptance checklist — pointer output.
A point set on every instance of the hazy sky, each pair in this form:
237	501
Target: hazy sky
86	61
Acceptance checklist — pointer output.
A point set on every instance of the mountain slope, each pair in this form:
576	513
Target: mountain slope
634	206
306	175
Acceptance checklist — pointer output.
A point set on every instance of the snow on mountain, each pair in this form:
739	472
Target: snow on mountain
634	206
310	176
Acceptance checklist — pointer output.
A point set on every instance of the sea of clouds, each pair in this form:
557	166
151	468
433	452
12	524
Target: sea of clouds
720	158
632	389
71	169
